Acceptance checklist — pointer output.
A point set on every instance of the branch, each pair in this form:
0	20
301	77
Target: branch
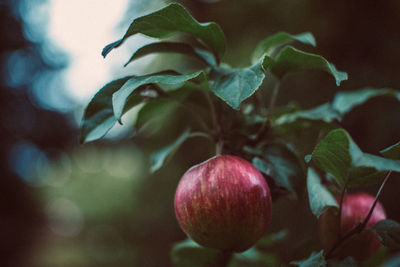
361	225
266	125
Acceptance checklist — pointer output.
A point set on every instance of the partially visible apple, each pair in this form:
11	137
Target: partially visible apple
355	209
223	203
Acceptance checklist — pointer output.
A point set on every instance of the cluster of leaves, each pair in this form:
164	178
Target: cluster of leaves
231	118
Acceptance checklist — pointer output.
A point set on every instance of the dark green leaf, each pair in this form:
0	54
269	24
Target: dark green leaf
190	254
235	85
338	155
99	118
346	101
316	259
174	19
269	45
253	257
324	113
291	59
282	165
319	197
155	115
120	97
347	262
158	158
271	239
392	152
172	47
388	233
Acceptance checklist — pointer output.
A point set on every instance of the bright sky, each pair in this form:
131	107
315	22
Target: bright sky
82	28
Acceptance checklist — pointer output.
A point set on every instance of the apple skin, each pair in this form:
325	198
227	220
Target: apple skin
355	209
223	203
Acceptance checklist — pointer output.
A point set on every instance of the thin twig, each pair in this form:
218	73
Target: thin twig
356	229
213	112
378	194
219	136
266	124
361	225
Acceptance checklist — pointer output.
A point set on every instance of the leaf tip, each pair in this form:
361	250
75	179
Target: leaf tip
107	49
310	38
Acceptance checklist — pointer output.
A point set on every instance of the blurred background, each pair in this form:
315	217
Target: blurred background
66	204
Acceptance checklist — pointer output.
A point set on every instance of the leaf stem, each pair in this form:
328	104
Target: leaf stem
273	99
361	225
344	189
201	134
195	115
161	93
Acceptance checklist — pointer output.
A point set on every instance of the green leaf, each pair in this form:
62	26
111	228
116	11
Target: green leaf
120	97
393	262
235	85
98	117
253	257
174	19
282	165
291	59
272	239
316	259
269	45
392	152
346	101
319	197
325	113
388	233
338	155
189	254
172	47
158	158
154	115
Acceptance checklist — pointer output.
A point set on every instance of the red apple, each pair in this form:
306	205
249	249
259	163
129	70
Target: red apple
355	209
223	203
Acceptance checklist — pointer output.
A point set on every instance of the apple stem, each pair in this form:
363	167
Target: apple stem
224	258
219	147
361	225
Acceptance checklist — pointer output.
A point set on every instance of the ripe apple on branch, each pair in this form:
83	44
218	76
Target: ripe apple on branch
224	203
